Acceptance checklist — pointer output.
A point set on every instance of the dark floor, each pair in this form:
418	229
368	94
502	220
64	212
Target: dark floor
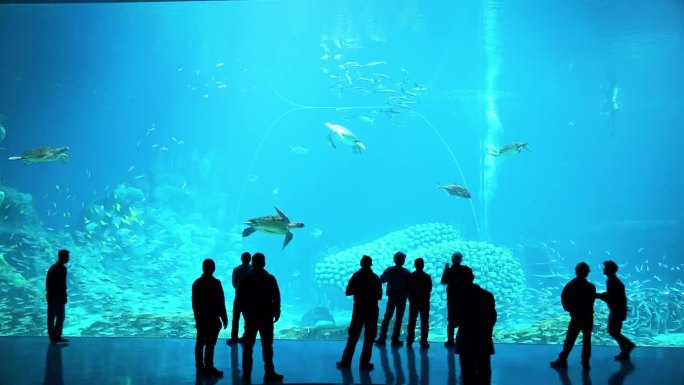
131	361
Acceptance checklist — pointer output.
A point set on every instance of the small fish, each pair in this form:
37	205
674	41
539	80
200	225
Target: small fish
316	232
275	191
299	150
657	278
383	76
367	119
131	168
455	190
375	63
338	56
572	242
607	252
325	57
640	250
219	65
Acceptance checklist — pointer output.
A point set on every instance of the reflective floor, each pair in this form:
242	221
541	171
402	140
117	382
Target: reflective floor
130	361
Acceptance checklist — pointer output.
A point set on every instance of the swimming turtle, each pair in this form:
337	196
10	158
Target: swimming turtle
317	316
510	149
344	136
273	224
455	190
43	154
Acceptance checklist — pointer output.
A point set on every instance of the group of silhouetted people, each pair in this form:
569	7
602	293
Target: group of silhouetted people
578	298
257	299
470	309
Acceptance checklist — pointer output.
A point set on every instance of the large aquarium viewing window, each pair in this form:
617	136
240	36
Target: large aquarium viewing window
529	136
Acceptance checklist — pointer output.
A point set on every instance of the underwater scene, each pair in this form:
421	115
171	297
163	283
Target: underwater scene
529	136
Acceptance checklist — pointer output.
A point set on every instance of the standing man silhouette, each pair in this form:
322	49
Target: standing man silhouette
450	279
238	274
474	339
419	288
259	301
616	299
366	288
56	294
578	298
209	309
396	278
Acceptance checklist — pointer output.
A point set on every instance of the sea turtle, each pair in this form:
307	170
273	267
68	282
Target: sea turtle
344	136
455	190
317	316
510	149
273	224
43	154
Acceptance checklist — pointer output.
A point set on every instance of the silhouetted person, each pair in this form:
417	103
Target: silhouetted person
209	309
259	301
396	278
56	294
419	288
578	298
616	299
238	274
366	288
475	322
450	279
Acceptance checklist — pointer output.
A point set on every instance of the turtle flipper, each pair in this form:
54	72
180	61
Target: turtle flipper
288	238
64	158
330	141
248	231
280	213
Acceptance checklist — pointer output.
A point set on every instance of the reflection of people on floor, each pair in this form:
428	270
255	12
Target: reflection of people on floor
563	375
384	363
565	380
399	370
618	378
365	377
347	376
234	365
451	369
53	365
413	376
411	362
425	367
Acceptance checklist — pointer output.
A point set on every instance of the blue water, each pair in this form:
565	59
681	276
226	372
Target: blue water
206	102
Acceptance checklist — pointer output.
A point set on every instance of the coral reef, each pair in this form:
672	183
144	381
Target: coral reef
495	268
